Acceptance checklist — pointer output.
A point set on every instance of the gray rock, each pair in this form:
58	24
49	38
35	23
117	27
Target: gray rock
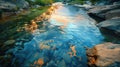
100	11
9	42
13	4
112	24
22	3
112	14
85	6
106	2
7	6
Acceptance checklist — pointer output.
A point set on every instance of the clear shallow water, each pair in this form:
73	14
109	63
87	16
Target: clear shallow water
67	26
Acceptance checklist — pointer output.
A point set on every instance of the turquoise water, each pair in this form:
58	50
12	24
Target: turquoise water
67	26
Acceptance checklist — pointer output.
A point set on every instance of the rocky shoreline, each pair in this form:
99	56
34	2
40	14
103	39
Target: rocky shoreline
110	15
102	55
23	33
108	19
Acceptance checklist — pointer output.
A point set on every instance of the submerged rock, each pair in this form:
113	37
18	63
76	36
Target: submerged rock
107	55
62	63
9	42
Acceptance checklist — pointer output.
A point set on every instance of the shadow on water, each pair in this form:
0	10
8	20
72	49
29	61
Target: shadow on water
68	26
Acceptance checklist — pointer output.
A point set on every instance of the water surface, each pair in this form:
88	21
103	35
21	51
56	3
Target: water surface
68	26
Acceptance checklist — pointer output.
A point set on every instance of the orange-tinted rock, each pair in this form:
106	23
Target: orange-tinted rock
39	62
106	53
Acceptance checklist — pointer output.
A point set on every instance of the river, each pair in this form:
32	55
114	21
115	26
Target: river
67	32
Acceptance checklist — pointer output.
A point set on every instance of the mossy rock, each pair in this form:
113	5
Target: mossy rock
9	42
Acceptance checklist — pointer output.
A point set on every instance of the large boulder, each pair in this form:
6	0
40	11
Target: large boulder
6	6
85	6
21	3
17	3
112	24
9	7
106	2
101	11
108	55
112	14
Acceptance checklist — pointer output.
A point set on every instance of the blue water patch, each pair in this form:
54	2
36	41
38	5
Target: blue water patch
53	45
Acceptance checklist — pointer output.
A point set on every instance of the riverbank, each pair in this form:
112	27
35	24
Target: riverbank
62	43
12	31
15	22
22	31
108	21
52	37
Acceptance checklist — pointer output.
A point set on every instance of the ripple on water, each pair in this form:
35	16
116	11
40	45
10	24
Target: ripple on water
70	27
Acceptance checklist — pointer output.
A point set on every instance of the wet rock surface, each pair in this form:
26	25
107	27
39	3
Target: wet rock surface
13	34
101	11
112	14
17	3
59	44
104	55
12	7
107	17
55	43
112	24
7	6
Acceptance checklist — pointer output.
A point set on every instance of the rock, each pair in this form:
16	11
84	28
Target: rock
62	63
9	7
36	6
66	58
112	14
6	6
9	42
117	2
112	24
101	11
107	54
92	56
105	2
85	6
12	5
18	3
22	4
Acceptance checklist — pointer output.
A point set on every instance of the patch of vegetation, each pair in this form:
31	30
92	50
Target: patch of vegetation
9	29
94	1
77	1
82	1
40	2
44	2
